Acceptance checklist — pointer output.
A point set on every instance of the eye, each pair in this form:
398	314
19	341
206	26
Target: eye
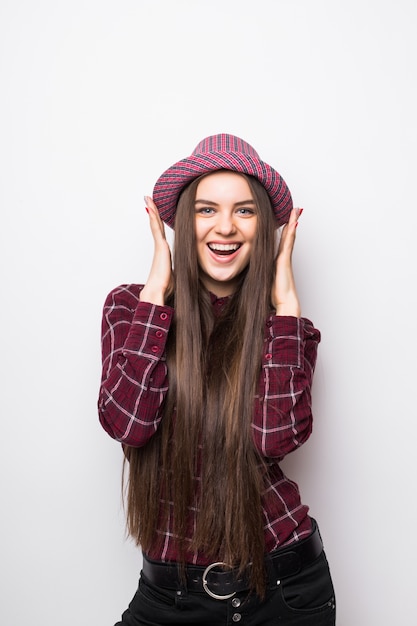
246	211
205	210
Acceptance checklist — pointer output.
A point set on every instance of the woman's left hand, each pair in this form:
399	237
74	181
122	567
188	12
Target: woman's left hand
284	293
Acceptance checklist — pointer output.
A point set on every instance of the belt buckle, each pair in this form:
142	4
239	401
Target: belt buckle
205	583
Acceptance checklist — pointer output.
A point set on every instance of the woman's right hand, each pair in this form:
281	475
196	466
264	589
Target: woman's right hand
160	276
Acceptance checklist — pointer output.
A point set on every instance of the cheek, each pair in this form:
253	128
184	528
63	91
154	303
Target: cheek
200	231
250	238
250	231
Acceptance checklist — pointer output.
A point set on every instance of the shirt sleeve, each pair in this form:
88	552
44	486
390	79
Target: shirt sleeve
283	416
134	376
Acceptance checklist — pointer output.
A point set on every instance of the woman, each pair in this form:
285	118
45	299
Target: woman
207	373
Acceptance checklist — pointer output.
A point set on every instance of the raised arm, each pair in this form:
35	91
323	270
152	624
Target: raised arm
283	416
134	332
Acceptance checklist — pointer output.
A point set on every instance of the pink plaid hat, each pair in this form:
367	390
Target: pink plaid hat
220	152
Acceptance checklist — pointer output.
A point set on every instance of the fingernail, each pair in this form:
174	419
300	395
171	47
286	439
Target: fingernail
146	209
296	224
300	211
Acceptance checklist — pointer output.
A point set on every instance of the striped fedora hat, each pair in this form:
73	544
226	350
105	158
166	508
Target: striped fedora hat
220	152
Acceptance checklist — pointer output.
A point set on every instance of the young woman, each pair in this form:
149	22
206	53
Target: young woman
207	374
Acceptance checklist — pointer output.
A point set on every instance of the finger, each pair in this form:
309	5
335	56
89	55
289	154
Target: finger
157	225
151	206
289	231
150	203
298	212
294	216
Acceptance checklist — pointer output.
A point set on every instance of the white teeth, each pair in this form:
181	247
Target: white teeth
224	247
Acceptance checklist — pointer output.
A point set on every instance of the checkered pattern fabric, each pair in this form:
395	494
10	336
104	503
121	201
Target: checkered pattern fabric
219	152
134	384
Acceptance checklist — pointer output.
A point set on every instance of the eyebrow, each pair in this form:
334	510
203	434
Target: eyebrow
210	202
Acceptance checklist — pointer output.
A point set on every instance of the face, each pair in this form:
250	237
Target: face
225	226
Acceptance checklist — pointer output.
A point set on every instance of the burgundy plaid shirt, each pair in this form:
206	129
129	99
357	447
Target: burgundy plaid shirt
134	384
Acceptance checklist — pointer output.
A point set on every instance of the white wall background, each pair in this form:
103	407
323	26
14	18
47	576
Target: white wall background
98	97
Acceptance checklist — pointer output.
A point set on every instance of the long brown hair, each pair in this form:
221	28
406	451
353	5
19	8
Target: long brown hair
214	364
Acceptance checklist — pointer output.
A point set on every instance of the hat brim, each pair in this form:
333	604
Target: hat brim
169	185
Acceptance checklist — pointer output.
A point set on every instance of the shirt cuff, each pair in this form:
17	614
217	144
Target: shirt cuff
284	343
146	312
149	331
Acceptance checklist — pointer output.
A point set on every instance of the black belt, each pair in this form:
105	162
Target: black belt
223	584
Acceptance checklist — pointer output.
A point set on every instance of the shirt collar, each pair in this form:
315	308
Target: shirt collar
218	303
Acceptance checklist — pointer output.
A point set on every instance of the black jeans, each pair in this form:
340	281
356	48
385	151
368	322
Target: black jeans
305	599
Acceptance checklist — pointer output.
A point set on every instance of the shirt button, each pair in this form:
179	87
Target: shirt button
159	333
163	316
154	349
235	603
268	356
236	617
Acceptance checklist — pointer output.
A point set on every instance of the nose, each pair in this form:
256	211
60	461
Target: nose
225	224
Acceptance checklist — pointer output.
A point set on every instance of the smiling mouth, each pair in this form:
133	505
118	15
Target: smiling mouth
224	248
